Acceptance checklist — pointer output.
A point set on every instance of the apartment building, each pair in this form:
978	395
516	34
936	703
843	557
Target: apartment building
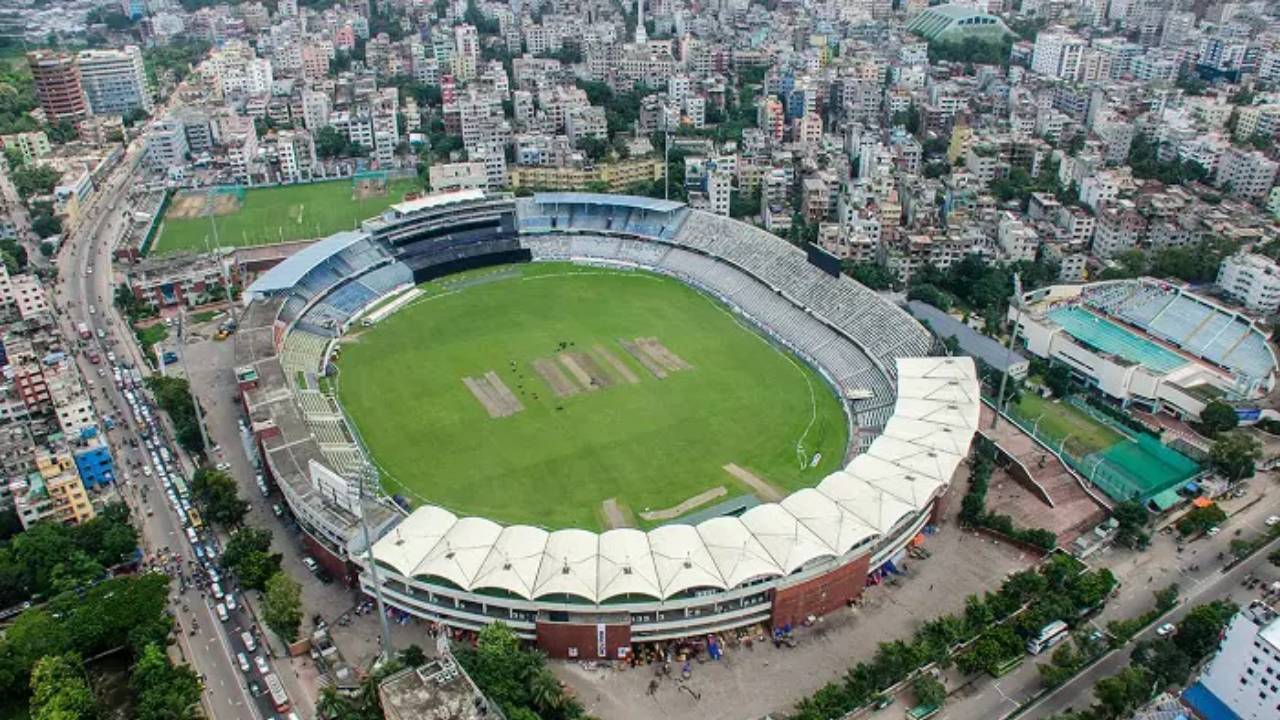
1247	174
57	84
1245	674
114	81
1251	280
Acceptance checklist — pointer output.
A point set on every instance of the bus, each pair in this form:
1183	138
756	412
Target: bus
179	485
194	516
1049	635
278	699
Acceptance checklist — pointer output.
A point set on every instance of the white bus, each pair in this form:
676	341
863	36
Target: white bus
1050	635
279	700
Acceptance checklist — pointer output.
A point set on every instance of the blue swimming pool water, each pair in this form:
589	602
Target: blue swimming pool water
1112	338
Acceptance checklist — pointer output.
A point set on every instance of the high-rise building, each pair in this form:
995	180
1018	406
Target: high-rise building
1058	53
57	84
466	52
1245	674
1252	280
1247	174
114	81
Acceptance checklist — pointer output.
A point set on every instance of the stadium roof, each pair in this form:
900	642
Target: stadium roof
949	22
631	201
292	269
437	200
900	474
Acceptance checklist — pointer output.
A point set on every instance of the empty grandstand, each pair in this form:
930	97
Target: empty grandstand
777	562
1151	343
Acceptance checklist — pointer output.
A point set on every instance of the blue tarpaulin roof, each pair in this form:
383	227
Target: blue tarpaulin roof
1207	705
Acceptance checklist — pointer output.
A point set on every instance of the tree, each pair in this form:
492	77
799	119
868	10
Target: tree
1218	417
1199	632
173	395
59	690
872	274
1199	519
163	691
330	143
1058	379
1120	694
217	493
929	691
1131	520
248	554
33	180
514	678
46	226
413	656
282	606
1233	454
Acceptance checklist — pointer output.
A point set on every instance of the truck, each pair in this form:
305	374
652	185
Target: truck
83	329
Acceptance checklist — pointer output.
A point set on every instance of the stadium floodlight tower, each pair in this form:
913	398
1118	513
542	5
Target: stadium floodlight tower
366	475
1018	307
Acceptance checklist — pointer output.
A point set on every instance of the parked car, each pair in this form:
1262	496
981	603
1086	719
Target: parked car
1166	630
243	662
310	564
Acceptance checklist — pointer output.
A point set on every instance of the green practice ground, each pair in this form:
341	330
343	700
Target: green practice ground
1058	420
1123	465
281	214
651	445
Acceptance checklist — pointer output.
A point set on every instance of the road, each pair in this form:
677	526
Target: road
83	294
1078	693
1194	569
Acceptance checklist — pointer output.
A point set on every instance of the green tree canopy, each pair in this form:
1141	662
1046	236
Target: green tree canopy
282	606
1233	454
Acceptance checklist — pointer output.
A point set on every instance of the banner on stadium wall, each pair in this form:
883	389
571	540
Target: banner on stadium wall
602	648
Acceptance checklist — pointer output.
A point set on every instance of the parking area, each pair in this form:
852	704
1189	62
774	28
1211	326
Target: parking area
755	682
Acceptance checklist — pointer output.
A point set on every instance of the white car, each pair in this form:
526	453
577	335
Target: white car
243	662
222	611
310	564
249	643
1213	531
230	600
1166	630
261	664
1273	521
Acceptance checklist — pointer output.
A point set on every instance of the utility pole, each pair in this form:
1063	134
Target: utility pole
1018	306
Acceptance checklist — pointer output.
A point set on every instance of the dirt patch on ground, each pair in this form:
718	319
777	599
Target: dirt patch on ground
561	385
598	376
643	358
618	366
188	205
760	487
662	355
616	515
369	188
570	363
509	400
493	395
671	513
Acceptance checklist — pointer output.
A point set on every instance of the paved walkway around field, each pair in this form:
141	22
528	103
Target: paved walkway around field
670	513
616	515
753	683
760	487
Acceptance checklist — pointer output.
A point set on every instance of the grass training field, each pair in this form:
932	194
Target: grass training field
272	215
1059	421
532	394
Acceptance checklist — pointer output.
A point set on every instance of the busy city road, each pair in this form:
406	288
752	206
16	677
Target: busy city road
151	473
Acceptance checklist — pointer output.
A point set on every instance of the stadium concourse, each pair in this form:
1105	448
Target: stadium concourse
574	592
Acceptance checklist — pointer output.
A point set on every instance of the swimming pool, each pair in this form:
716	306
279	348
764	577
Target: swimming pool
1114	339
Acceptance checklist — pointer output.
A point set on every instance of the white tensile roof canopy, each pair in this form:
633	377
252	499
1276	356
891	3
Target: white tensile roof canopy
934	419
